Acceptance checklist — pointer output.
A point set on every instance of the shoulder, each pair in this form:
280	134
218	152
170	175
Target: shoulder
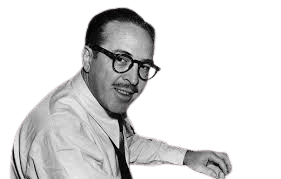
66	132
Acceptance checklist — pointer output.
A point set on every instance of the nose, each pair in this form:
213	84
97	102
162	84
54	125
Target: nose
132	75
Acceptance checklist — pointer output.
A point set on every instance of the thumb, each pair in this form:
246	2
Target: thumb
207	171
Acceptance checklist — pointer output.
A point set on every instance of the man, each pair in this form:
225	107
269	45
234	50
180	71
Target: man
81	129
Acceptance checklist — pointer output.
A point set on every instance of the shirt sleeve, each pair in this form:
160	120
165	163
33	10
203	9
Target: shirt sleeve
67	156
150	151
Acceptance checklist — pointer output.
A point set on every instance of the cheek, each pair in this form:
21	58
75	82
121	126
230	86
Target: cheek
95	80
105	78
142	85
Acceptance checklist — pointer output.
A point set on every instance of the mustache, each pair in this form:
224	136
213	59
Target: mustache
128	86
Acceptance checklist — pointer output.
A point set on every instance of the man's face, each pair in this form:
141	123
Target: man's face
116	91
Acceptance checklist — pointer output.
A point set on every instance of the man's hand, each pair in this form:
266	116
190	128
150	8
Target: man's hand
214	164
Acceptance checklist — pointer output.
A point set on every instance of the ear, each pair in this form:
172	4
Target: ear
87	55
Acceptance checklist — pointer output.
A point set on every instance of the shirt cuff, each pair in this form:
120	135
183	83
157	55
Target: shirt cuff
174	155
181	156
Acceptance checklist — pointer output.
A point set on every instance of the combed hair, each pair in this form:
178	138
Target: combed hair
94	34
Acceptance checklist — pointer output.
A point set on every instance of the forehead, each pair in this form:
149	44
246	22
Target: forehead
128	37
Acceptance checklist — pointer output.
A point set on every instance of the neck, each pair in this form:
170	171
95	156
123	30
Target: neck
116	115
85	77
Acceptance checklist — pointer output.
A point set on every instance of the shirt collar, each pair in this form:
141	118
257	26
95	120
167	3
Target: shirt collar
108	124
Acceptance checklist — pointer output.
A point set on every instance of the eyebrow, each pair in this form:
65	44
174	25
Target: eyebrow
129	54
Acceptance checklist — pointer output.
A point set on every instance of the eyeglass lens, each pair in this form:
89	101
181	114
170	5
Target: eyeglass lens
124	63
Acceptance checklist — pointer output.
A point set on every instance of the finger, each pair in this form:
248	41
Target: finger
207	171
221	175
214	158
225	157
215	168
218	171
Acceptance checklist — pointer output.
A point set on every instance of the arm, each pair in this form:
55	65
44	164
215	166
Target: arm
58	155
150	151
146	151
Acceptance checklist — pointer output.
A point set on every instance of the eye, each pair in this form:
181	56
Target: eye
146	65
122	59
144	70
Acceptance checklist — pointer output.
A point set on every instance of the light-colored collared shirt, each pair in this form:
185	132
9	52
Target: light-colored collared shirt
67	137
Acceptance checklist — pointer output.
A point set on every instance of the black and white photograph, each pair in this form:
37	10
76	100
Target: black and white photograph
183	89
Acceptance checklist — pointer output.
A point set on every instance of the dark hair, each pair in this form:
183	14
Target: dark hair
94	34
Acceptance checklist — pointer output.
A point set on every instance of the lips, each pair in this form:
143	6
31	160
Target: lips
124	94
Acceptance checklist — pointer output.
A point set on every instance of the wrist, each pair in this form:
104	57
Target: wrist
186	159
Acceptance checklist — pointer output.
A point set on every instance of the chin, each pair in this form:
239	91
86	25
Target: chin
118	109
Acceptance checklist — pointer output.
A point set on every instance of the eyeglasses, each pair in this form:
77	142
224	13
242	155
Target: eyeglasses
123	62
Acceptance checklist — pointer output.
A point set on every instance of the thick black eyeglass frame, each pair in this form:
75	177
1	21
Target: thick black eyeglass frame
113	57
